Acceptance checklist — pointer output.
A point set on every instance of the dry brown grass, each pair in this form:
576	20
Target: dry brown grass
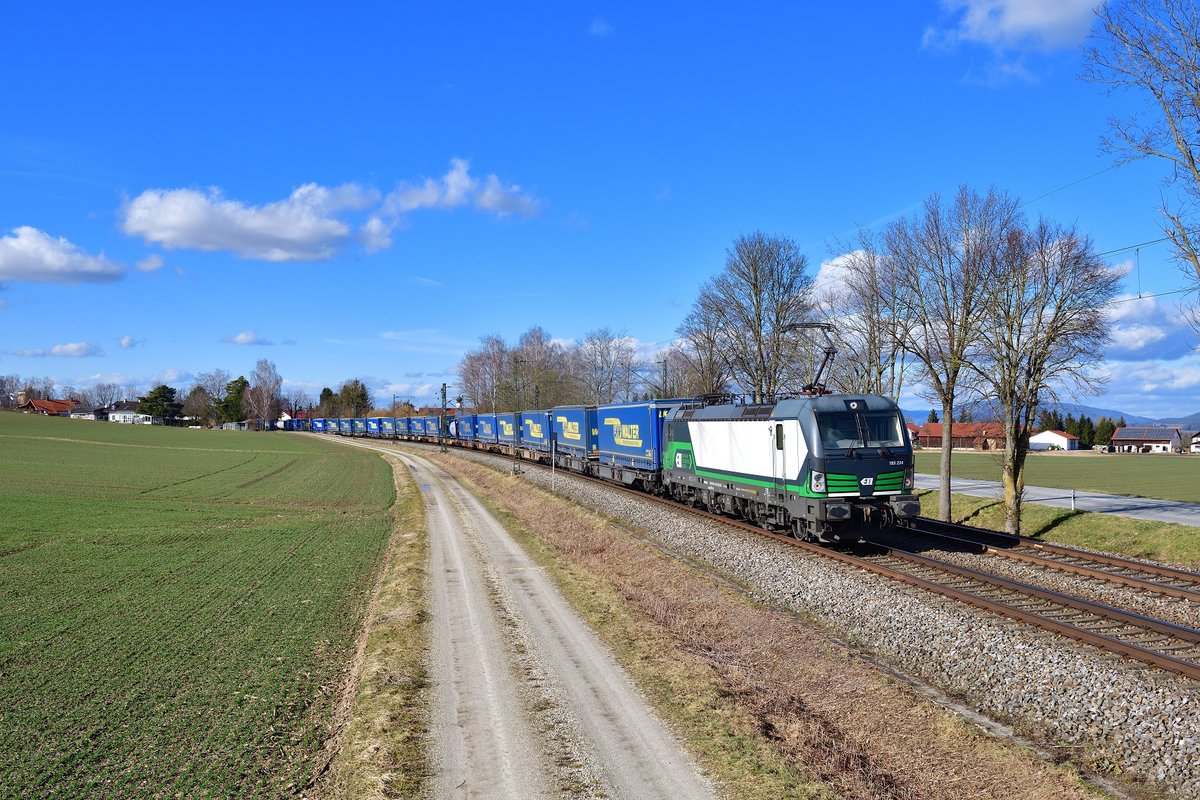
761	698
381	752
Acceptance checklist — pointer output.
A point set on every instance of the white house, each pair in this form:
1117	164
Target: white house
1196	442
129	417
1146	440
1053	440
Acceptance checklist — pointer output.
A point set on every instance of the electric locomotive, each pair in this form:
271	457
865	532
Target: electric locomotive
822	466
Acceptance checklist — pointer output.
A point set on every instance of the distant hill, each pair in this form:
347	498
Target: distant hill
982	411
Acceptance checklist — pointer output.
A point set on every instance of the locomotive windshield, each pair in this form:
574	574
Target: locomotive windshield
842	430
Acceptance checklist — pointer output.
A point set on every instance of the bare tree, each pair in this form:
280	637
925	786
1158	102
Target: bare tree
198	404
9	386
1151	47
605	366
539	374
752	306
262	400
105	394
945	259
214	383
700	348
483	371
870	310
297	400
1044	326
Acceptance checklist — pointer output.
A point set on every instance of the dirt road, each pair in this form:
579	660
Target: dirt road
528	703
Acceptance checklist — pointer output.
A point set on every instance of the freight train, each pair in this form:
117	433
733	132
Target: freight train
822	467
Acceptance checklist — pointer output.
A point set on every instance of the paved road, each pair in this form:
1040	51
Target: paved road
1137	507
528	703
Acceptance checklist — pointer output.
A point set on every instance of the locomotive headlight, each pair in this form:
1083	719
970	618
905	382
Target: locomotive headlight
818	481
909	480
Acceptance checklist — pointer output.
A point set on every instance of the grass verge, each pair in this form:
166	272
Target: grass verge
1161	541
381	752
769	707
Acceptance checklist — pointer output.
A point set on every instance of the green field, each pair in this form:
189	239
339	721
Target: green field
178	606
1164	476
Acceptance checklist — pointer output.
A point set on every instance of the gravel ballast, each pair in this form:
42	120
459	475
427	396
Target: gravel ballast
1113	714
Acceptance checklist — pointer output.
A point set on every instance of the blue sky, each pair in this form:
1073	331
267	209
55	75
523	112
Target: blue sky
366	192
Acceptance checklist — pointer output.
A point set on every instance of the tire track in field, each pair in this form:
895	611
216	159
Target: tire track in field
202	475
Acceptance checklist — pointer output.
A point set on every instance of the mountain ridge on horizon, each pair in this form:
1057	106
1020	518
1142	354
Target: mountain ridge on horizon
982	413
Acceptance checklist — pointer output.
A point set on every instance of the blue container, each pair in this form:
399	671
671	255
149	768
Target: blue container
374	426
630	434
507	427
432	424
535	431
486	429
359	426
343	427
416	426
575	430
387	427
462	427
403	427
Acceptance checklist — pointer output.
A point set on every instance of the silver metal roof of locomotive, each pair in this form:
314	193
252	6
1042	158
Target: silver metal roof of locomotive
791	408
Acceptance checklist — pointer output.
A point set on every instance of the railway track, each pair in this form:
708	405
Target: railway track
1164	580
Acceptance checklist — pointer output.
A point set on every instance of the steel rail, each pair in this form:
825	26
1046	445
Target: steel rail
1191	593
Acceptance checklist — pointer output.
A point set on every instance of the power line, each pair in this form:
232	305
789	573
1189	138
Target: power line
1081	180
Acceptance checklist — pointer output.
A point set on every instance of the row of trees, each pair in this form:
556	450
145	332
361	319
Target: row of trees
540	372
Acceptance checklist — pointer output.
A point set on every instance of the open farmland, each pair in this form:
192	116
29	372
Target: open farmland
1164	476
178	606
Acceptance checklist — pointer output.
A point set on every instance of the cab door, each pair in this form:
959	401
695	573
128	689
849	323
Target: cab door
778	458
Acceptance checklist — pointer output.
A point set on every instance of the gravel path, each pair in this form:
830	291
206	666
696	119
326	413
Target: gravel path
1110	713
528	701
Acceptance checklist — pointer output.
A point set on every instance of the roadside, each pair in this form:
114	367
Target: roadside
1170	511
379	749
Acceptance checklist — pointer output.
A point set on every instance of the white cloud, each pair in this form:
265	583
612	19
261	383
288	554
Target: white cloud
302	227
1007	24
127	342
457	188
600	28
1143	328
503	200
426	340
32	255
376	235
68	350
425	281
247	337
150	263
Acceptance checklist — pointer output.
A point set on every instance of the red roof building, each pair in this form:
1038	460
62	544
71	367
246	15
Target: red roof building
968	435
49	408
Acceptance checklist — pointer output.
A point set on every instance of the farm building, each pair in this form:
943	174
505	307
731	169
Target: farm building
1147	440
966	435
1196	442
89	412
1053	440
49	408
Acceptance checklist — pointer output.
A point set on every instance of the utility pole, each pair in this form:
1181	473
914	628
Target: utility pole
442	423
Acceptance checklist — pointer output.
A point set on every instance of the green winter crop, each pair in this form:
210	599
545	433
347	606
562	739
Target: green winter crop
176	606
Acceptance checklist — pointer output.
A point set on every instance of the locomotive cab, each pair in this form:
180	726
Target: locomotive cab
860	466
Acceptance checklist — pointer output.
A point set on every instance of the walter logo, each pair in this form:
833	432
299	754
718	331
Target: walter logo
623	434
570	430
867	482
535	430
506	428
